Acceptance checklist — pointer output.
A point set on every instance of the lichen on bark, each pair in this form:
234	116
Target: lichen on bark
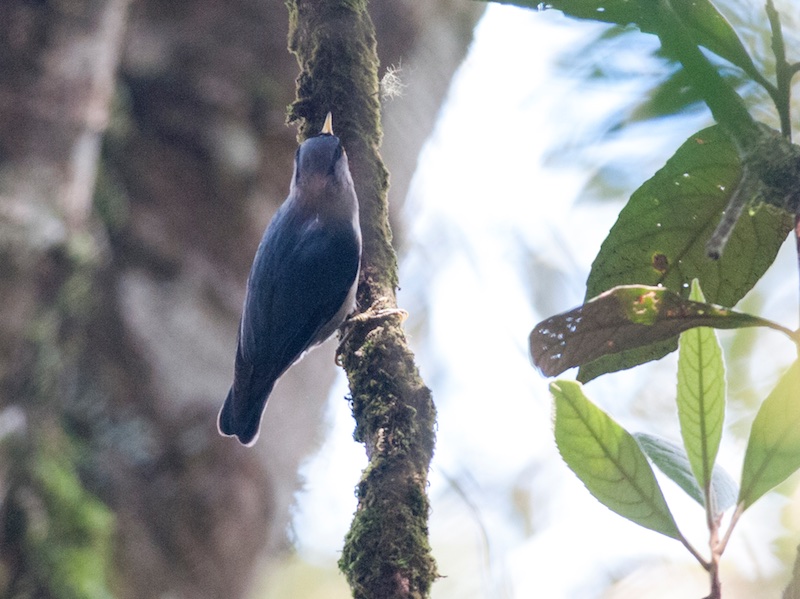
386	552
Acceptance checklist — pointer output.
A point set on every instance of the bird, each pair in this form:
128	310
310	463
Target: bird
302	284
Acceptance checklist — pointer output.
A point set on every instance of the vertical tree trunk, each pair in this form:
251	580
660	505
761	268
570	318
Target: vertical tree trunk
57	66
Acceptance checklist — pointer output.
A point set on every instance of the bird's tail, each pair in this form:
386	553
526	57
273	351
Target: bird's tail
240	415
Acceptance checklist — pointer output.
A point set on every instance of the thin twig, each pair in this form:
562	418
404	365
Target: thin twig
726	105
703	562
783	71
734	519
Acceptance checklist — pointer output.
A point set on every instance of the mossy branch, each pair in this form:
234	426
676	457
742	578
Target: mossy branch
386	553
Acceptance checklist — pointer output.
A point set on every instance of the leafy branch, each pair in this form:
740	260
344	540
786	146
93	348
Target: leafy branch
730	187
613	463
782	92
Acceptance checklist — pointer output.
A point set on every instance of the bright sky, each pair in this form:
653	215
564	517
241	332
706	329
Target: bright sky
494	220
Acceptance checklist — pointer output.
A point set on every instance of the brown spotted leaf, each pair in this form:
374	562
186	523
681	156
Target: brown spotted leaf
625	318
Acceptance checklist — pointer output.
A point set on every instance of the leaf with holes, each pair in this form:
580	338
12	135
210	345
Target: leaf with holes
607	459
625	318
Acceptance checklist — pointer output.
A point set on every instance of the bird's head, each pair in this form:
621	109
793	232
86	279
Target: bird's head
321	162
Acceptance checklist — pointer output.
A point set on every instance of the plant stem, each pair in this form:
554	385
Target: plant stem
734	519
783	71
716	586
696	554
713	543
726	105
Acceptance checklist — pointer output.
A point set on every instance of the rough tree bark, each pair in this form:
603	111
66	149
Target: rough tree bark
386	552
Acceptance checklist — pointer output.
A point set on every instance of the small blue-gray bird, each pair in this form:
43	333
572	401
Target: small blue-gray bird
302	284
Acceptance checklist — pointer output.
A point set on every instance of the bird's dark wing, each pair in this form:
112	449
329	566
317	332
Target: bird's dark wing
300	278
308	297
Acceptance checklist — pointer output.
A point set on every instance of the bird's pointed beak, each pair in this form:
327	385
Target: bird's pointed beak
328	126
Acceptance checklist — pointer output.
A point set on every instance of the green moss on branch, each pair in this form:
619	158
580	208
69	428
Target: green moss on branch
386	552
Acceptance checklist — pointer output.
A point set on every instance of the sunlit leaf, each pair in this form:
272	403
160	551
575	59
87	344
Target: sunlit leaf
607	459
773	449
626	317
701	395
707	26
660	237
672	460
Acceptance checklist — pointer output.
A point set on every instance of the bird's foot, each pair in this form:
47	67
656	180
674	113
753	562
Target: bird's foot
379	314
378	311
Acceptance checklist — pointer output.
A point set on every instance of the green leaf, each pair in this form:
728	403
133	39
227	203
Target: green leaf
607	459
661	234
701	396
705	24
710	29
773	450
671	96
626	317
673	461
